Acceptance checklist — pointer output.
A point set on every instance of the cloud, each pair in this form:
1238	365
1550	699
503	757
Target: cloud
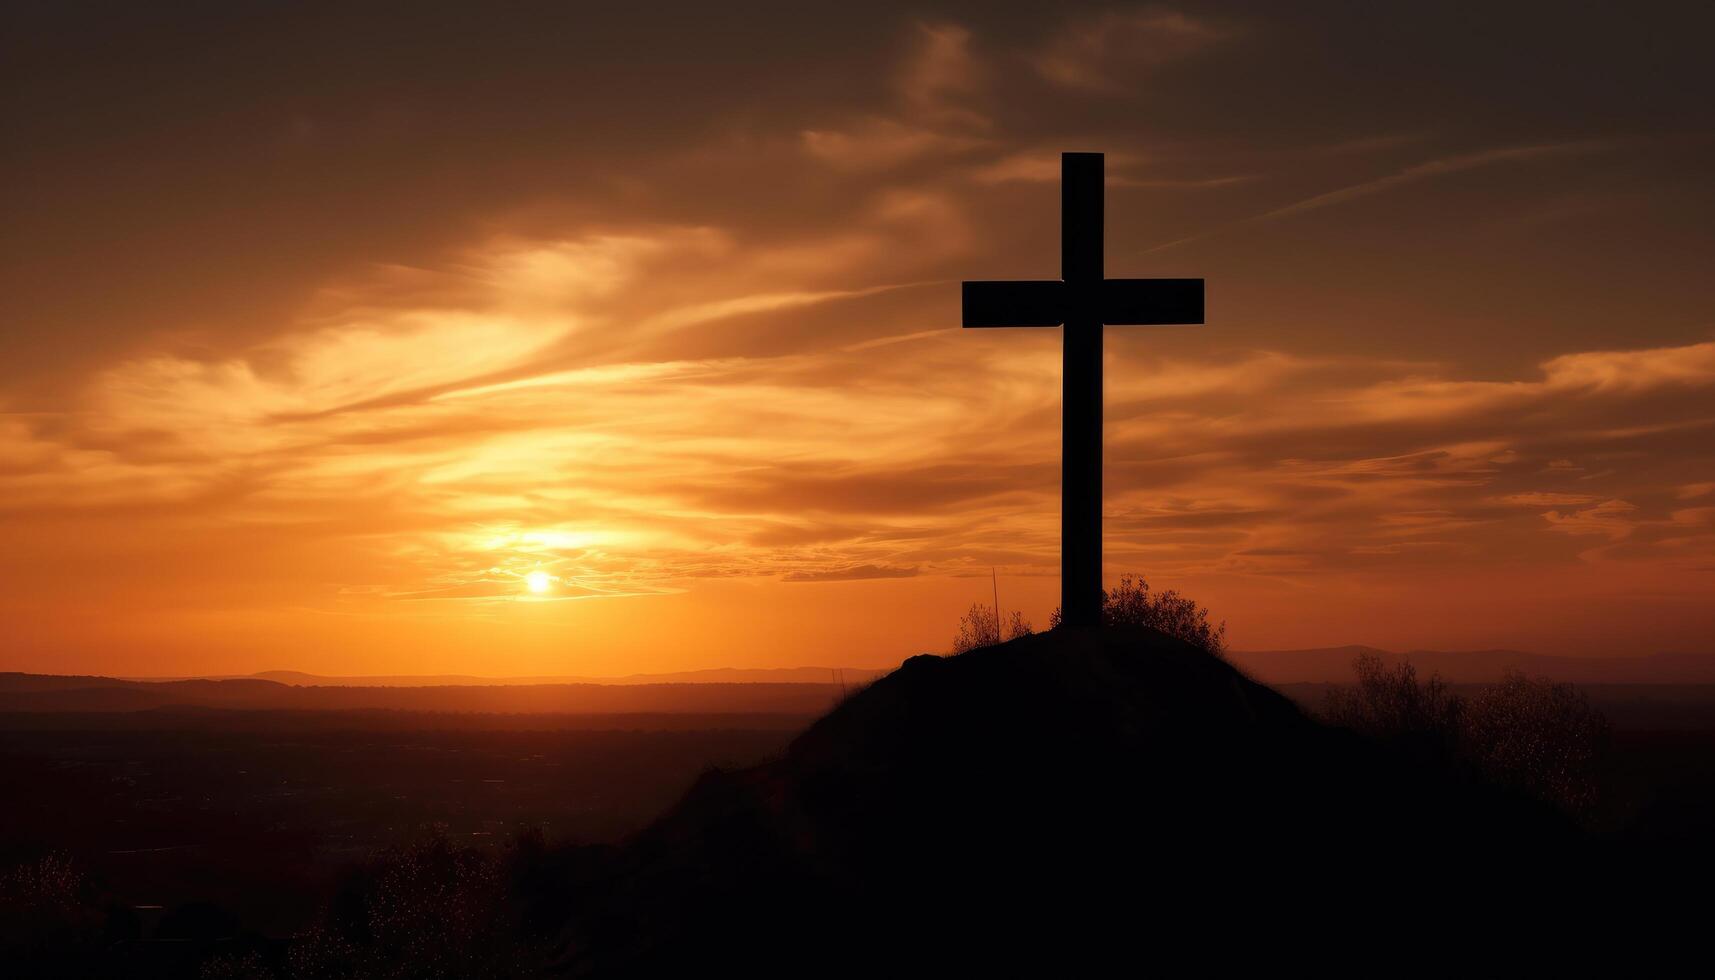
1034	168
881	143
1182	183
1105	54
851	573
1547	499
512	590
1634	370
935	114
1410	175
537	390
942	76
626	477
756	303
1613	519
1041	167
1432	168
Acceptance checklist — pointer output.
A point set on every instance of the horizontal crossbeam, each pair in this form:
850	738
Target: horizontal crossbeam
1049	302
1015	303
1142	302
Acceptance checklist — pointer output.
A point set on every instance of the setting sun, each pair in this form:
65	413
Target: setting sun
538	582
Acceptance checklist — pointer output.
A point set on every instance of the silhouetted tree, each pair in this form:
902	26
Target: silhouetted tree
52	884
431	909
981	627
1535	736
1132	604
247	965
47	903
1540	737
1388	702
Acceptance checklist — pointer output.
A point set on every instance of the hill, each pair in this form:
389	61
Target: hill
1068	800
1063	804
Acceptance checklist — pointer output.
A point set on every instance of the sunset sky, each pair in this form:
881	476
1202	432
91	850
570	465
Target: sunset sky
324	326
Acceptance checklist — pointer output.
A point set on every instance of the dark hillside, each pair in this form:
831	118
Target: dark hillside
1065	796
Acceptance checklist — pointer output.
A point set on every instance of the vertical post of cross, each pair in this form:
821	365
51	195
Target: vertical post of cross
1081	233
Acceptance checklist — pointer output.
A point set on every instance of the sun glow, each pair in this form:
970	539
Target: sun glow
538	582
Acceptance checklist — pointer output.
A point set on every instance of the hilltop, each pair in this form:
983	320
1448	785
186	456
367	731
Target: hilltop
1066	796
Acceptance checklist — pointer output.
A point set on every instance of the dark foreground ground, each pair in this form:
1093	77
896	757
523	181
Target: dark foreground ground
1034	796
256	815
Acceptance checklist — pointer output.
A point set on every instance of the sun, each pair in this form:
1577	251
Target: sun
538	582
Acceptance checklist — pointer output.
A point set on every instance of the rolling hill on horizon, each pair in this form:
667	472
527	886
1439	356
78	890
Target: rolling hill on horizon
35	693
710	675
1322	665
1312	665
1660	691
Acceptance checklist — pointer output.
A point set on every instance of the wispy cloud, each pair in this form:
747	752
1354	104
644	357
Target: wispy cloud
851	573
936	112
1104	53
1418	172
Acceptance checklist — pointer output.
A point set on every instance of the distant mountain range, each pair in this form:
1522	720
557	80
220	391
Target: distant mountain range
1314	665
51	693
1334	665
716	675
795	691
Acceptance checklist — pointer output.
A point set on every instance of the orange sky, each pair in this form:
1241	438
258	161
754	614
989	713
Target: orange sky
324	328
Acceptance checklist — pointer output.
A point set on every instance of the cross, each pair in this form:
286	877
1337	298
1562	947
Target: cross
1083	301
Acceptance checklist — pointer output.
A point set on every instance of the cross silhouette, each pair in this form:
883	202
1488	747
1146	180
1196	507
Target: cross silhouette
1083	301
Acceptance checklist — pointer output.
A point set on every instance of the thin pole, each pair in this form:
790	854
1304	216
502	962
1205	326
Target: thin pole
994	580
